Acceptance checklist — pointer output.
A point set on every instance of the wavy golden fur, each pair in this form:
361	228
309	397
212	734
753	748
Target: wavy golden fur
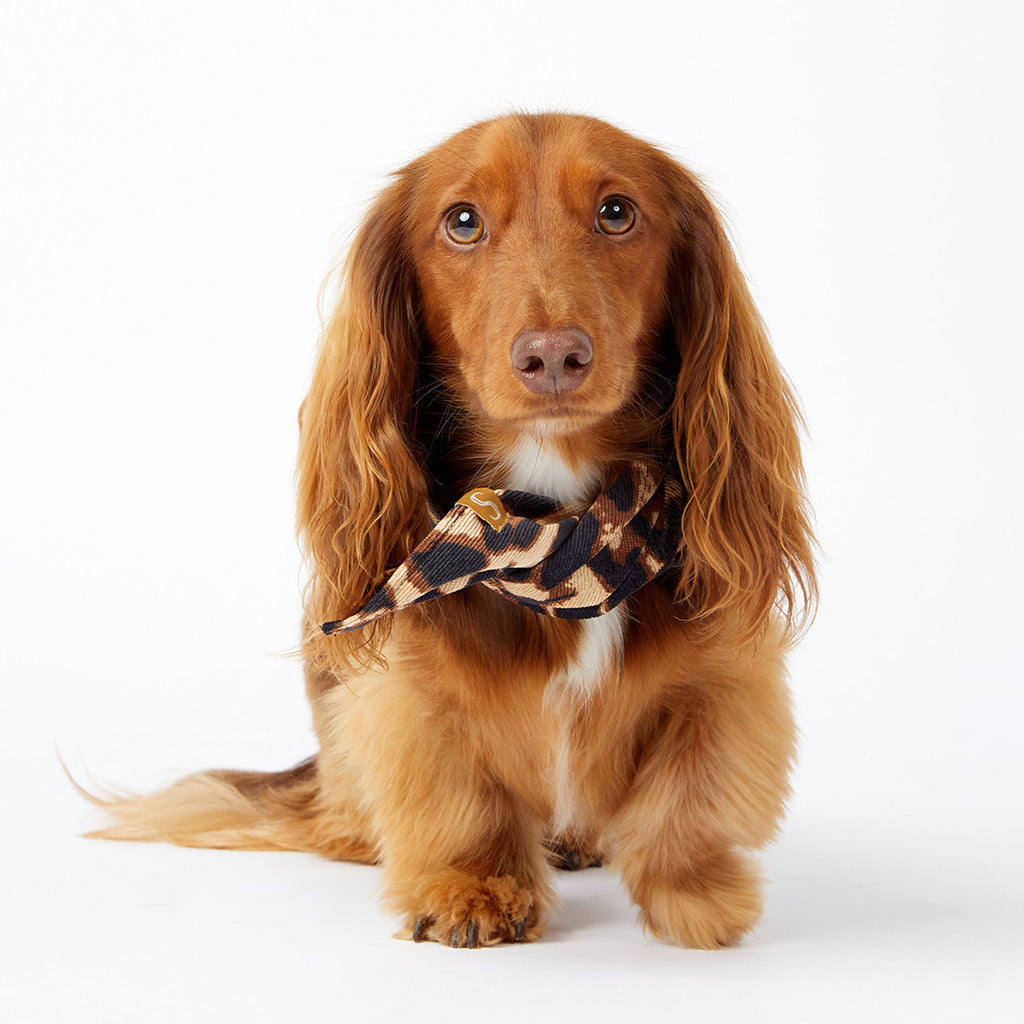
468	743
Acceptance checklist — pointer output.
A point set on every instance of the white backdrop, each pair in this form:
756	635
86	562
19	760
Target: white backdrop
176	179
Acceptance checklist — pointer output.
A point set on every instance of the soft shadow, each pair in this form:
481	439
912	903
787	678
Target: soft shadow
590	899
821	889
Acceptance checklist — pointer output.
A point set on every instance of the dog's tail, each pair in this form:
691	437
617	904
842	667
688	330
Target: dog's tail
238	810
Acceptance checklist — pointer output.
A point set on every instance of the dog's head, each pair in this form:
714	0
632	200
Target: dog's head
541	248
551	275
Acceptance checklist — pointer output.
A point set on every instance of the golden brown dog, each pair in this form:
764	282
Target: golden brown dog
538	300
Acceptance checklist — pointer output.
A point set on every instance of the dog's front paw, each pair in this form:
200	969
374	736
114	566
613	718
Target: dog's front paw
710	907
459	910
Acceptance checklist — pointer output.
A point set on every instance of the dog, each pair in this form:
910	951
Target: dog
546	307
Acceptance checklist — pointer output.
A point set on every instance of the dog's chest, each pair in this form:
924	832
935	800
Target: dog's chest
597	657
538	467
596	660
534	466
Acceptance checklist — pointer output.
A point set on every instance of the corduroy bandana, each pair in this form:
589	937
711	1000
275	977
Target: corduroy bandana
577	567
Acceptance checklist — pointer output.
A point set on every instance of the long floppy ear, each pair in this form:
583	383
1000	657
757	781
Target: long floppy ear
747	541
362	491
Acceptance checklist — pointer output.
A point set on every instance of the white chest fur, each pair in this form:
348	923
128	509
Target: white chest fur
537	468
534	466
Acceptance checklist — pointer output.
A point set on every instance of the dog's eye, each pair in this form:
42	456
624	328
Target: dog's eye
616	216
464	225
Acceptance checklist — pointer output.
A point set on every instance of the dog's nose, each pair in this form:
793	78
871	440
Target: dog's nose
556	359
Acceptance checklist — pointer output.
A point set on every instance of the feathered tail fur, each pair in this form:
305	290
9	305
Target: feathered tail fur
237	810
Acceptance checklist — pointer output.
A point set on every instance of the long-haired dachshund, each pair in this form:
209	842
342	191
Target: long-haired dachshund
549	308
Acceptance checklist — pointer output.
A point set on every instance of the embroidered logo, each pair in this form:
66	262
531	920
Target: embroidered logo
487	505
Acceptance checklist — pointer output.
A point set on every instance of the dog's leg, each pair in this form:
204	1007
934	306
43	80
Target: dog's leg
463	862
712	781
462	854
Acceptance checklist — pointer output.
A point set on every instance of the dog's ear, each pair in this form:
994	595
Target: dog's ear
747	541
362	491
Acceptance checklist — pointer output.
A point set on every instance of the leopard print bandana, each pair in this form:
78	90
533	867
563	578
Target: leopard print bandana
575	567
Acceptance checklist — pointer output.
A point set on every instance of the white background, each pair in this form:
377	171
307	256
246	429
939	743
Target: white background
178	177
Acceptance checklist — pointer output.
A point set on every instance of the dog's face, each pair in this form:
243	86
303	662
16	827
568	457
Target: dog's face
541	257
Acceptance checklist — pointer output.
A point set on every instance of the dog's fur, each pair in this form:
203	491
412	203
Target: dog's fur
468	743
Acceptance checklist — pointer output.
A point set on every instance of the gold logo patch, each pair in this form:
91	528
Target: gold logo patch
487	505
